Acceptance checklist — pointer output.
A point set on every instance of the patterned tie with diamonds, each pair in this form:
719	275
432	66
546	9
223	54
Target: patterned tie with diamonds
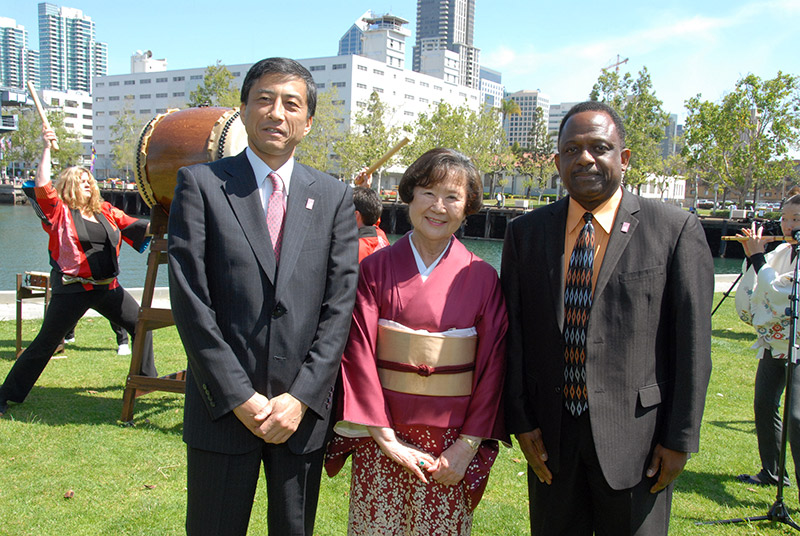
577	304
276	210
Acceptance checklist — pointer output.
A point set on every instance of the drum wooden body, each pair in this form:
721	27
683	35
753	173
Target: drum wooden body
181	138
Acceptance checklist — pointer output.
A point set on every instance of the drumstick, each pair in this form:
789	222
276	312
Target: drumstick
788	239
40	109
408	138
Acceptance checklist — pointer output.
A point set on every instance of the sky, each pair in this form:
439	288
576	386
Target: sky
689	47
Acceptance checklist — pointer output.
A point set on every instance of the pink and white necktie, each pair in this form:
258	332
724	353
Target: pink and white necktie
276	211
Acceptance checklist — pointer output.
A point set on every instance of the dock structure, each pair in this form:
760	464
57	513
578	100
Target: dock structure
11	194
490	223
124	198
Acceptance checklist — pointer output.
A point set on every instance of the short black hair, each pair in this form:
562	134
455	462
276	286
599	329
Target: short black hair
436	166
595	106
284	66
368	204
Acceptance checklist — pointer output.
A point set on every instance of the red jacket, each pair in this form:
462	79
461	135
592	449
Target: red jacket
371	238
68	235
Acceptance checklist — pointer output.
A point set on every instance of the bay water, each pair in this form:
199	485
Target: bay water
23	248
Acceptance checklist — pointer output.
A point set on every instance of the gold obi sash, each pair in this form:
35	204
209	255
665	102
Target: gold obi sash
432	364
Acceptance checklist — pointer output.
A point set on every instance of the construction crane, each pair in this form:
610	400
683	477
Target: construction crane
615	64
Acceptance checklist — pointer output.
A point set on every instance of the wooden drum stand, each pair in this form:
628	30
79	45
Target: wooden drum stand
150	318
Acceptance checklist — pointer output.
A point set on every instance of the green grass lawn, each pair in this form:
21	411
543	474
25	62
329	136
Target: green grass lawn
131	479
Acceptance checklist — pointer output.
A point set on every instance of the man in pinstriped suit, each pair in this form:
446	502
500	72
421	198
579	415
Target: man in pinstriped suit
263	327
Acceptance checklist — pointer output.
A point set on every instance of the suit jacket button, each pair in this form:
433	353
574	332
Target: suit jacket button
279	311
558	389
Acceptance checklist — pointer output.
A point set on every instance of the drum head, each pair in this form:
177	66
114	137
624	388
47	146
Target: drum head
180	138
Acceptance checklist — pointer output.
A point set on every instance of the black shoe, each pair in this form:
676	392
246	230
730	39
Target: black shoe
3	407
755	480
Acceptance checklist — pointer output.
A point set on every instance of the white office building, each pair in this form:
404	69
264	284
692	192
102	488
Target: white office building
518	126
557	113
492	88
406	94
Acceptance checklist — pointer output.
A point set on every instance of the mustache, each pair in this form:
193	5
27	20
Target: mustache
591	170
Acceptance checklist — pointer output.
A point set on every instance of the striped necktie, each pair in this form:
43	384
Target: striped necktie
276	212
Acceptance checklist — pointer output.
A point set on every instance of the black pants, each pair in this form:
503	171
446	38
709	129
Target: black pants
62	313
580	502
119	333
221	487
770	384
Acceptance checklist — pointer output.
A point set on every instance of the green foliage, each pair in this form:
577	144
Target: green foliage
369	138
743	142
317	147
644	119
479	135
509	107
536	162
26	142
131	480
217	89
125	138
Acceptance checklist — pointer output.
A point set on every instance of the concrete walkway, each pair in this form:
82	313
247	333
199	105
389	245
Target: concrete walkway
33	308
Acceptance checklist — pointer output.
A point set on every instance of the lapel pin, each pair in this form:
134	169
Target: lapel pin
625	226
309	204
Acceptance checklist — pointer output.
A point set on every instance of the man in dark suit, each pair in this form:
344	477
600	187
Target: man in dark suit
607	414
263	310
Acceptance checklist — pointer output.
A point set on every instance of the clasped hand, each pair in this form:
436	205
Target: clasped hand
448	469
273	420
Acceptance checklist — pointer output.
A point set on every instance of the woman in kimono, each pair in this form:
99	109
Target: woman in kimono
85	236
422	373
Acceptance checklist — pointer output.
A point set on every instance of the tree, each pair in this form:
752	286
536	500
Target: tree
541	149
217	89
672	168
26	142
317	147
743	143
369	138
124	139
477	134
508	107
643	118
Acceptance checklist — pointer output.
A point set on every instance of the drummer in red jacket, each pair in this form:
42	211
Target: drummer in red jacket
85	236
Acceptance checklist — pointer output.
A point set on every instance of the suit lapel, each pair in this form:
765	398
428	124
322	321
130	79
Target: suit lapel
554	254
619	239
242	192
299	209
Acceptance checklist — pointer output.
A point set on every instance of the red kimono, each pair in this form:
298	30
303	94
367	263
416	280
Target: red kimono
463	291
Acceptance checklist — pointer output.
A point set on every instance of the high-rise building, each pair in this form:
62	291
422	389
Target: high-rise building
669	145
518	126
557	113
380	37
69	54
492	88
18	63
447	25
351	42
